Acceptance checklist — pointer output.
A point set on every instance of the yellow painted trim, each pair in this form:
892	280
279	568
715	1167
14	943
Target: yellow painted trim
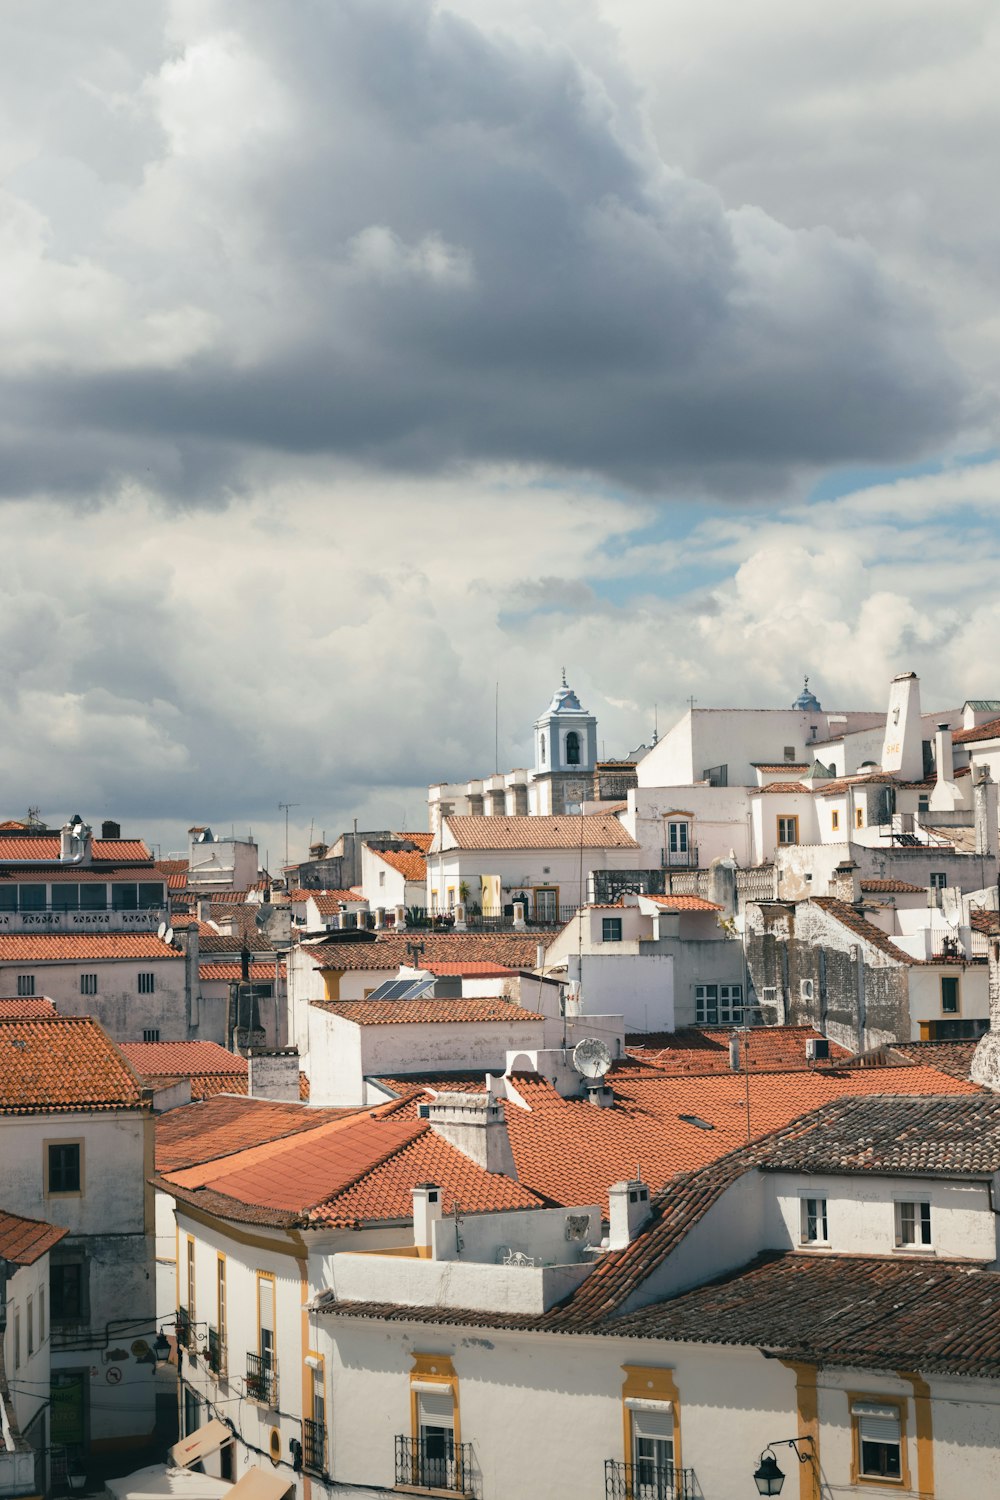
221	1311
331	982
926	1034
879	1399
923	1429
537	889
807	1425
792	818
835	820
233	1231
190	1267
859	817
440	1369
655	1384
309	1376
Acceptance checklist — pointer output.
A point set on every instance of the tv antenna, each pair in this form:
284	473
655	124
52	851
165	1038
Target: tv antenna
286	806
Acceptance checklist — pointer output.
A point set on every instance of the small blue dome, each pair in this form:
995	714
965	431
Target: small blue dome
807	700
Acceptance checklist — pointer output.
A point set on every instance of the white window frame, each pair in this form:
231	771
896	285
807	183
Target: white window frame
807	989
724	1006
818	1215
919	1211
873	1422
678	835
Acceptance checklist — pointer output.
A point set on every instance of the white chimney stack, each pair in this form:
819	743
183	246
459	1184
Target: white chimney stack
426	1209
629	1209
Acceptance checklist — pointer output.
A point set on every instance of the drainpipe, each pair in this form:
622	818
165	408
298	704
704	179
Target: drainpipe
859	981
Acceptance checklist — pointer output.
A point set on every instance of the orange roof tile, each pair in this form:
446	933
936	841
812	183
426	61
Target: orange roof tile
782	788
158	1059
221	1126
684	903
26	1008
476	968
699	1049
594	831
426	1012
82	947
387	951
422	841
258	972
893	887
23	1241
410	863
62	1063
988	731
117	851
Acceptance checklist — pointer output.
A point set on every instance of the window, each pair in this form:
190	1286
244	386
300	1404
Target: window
147	984
611	929
913	1224
436	1436
190	1279
124	897
63	1173
716	775
220	1300
938	880
41	1315
788	830
265	1316
17	1338
835	820
546	904
30	1319
923	803
790	752
814	1228
677	834
653	1451
31	897
381	877
878	1439
859	817
541	749
25	984
572	748
68	1286
718	1004
949	994
88	984
151	1034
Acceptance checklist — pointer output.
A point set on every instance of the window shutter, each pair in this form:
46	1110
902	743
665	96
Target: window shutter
654	1424
436	1410
877	1424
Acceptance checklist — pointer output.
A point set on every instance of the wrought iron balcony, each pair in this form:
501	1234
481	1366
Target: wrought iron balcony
184	1329
262	1379
647	1481
215	1353
681	859
314	1446
435	1463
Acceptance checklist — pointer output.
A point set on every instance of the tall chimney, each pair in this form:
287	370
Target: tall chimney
944	760
476	1125
629	1209
426	1210
984	795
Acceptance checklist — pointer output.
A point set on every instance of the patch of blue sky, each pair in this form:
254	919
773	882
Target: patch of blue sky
848	481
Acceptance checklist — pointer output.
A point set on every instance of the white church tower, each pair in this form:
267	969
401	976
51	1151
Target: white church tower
565	755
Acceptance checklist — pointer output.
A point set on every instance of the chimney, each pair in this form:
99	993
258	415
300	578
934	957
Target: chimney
274	1074
628	1211
845	883
540	952
984	795
944	765
734	1052
476	1125
902	747
110	829
426	1211
75	842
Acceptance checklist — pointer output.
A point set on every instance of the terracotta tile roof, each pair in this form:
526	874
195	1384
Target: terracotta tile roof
988	731
183	1059
893	887
208	1085
258	971
82	947
11	825
852	919
210	941
956	1136
474	968
938	1317
416	1085
26	1008
329	903
355	1170
410	863
595	831
984	920
115	851
427	1012
699	1049
953	1058
572	1152
387	951
786	765
177	881
422	841
23	1241
219	1127
62	1063
172	866
684	903
841	783
783	788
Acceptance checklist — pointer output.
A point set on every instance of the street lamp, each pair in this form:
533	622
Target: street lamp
767	1476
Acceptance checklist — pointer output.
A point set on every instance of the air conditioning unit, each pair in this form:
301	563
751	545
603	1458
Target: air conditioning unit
817	1049
806	989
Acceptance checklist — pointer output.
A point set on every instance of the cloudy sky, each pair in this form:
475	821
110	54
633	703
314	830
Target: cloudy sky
358	356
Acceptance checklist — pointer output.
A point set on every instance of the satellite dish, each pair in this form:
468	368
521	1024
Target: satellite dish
161	931
591	1057
168	937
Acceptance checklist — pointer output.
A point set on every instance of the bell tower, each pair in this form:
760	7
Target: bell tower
565	754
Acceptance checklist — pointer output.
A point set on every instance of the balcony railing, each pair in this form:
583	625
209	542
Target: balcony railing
215	1354
434	1463
647	1481
185	1332
681	859
314	1446
262	1379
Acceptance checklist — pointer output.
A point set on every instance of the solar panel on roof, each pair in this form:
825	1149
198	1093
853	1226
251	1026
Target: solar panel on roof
403	989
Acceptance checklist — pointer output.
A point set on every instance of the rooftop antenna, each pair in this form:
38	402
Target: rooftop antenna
286	806
564	682
656	723
415	950
496	732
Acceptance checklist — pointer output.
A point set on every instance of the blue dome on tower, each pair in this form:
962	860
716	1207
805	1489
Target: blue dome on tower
807	700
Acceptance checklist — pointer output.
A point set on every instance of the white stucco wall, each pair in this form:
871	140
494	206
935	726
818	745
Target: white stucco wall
117	1005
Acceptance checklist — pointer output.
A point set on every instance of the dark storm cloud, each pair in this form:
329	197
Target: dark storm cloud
440	247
